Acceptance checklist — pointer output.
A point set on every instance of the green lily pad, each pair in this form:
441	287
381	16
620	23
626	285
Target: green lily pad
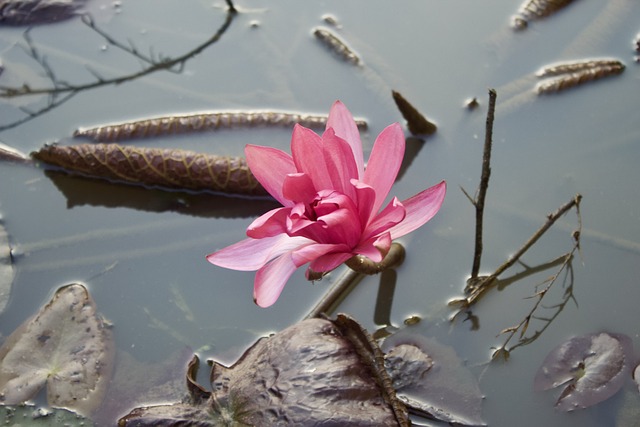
66	347
7	271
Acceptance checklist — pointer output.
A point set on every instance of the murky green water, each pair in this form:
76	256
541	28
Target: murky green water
142	251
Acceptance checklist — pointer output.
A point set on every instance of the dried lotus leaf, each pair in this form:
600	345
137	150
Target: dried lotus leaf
309	374
153	167
201	122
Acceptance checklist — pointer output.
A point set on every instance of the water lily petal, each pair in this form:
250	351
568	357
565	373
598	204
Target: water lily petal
252	254
271	278
308	155
270	166
341	165
384	162
420	209
342	226
312	252
270	224
391	215
375	248
365	198
342	123
298	187
328	262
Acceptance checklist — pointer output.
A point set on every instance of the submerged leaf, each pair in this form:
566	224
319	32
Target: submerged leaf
593	367
166	168
7	271
66	347
431	379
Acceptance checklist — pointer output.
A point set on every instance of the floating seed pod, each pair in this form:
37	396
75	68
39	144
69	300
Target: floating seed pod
416	122
574	74
536	9
200	122
166	168
336	45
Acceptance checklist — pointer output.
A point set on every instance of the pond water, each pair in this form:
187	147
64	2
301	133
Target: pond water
142	252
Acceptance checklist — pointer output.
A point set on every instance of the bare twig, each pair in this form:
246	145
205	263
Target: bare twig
503	351
478	202
59	87
477	287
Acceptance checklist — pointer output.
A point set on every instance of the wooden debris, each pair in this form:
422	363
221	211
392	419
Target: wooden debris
532	10
165	168
199	122
416	122
576	73
336	45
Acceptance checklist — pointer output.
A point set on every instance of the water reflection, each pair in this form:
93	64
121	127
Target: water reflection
80	191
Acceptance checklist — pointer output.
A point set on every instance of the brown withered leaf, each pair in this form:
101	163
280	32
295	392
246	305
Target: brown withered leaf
165	168
310	374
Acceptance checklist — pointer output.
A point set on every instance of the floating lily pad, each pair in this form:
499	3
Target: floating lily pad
592	368
431	380
7	270
66	347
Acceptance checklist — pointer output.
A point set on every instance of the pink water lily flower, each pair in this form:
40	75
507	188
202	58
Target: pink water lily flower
331	204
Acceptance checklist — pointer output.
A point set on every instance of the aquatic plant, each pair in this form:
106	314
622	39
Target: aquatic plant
331	204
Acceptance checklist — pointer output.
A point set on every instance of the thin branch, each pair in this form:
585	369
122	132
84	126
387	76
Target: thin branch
60	87
503	351
477	287
484	184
